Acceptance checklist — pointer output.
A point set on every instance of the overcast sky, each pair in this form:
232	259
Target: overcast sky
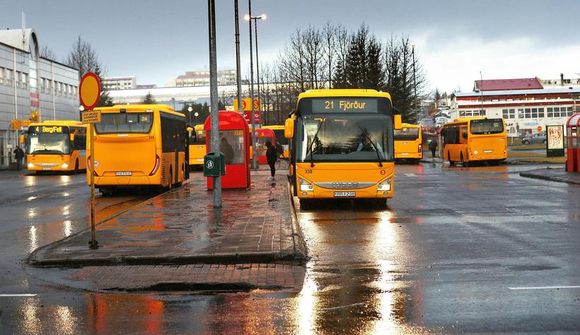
455	40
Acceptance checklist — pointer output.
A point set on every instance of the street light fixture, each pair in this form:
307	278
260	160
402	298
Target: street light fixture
256	18
253	118
189	110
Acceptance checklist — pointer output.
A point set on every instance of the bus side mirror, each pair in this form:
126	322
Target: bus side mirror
289	128
398	121
21	139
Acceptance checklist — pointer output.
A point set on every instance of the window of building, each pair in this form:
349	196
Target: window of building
541	112
527	113
534	113
570	111
550	111
1	75
504	113
520	113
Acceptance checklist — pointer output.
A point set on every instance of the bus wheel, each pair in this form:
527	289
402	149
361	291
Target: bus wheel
76	167
451	163
170	186
380	203
463	162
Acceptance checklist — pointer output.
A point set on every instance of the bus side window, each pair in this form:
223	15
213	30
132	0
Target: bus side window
463	138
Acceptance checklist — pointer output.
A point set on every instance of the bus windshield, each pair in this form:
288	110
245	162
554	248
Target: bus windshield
112	123
406	134
49	143
339	138
489	126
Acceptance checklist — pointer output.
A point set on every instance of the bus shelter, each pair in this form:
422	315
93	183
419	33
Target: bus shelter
264	135
234	142
573	143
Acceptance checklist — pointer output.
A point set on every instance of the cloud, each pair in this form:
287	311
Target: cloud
455	63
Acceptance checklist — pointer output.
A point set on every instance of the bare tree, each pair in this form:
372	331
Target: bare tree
83	57
47	53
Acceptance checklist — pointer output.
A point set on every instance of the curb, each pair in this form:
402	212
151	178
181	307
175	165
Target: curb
548	178
225	258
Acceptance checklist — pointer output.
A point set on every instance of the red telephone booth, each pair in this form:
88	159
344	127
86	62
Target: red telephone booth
262	136
573	131
234	141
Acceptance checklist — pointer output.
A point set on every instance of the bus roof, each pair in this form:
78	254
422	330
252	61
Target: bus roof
358	92
274	127
141	107
467	119
58	123
410	125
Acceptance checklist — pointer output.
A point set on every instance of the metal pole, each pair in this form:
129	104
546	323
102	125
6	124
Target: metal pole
217	181
257	65
238	64
254	162
93	244
414	83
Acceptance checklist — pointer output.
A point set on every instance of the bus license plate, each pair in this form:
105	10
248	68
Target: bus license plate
123	173
344	194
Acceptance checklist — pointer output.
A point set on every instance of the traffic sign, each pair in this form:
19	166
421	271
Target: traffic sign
539	129
90	90
91	117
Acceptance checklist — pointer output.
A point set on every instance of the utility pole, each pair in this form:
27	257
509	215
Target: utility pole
254	154
214	141
238	66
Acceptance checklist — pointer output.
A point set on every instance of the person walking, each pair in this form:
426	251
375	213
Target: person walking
433	147
18	155
271	157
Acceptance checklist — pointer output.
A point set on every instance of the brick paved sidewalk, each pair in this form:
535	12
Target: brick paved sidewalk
182	227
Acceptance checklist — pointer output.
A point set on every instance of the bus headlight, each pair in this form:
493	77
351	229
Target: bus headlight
384	186
305	186
64	165
30	165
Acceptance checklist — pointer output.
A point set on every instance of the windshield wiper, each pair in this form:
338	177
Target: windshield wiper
374	146
312	143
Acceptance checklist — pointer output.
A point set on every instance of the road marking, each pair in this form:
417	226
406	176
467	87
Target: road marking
410	175
18	295
543	287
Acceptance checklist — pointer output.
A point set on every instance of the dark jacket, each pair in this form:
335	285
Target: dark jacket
271	154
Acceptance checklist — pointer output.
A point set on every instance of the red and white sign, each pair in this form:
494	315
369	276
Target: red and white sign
248	117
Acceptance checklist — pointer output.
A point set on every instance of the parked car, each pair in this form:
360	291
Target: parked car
534	138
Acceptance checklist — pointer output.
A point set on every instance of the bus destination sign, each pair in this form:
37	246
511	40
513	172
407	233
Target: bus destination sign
345	105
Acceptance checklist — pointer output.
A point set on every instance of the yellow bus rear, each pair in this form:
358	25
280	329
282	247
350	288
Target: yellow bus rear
57	146
139	146
409	142
477	139
196	146
342	145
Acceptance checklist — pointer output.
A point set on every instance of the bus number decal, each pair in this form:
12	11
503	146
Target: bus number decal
308	171
329	104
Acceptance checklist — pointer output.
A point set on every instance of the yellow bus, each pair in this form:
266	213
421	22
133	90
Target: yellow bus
409	142
196	146
139	146
342	145
56	146
283	141
476	139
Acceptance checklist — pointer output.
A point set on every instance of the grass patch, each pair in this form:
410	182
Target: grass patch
535	157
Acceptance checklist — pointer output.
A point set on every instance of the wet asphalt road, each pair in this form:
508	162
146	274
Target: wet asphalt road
458	250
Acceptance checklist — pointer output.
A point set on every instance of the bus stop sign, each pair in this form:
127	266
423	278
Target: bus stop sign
90	90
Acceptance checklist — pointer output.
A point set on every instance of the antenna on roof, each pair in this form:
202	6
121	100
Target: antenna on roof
23	27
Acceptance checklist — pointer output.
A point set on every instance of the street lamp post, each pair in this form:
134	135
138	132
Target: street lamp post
238	66
254	162
256	18
189	110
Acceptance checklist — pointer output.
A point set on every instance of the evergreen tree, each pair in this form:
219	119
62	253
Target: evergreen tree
105	100
149	99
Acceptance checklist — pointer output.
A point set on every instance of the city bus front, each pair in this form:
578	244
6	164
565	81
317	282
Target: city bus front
126	148
343	148
49	148
197	148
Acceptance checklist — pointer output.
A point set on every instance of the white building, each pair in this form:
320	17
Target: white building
201	78
31	85
119	83
524	110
